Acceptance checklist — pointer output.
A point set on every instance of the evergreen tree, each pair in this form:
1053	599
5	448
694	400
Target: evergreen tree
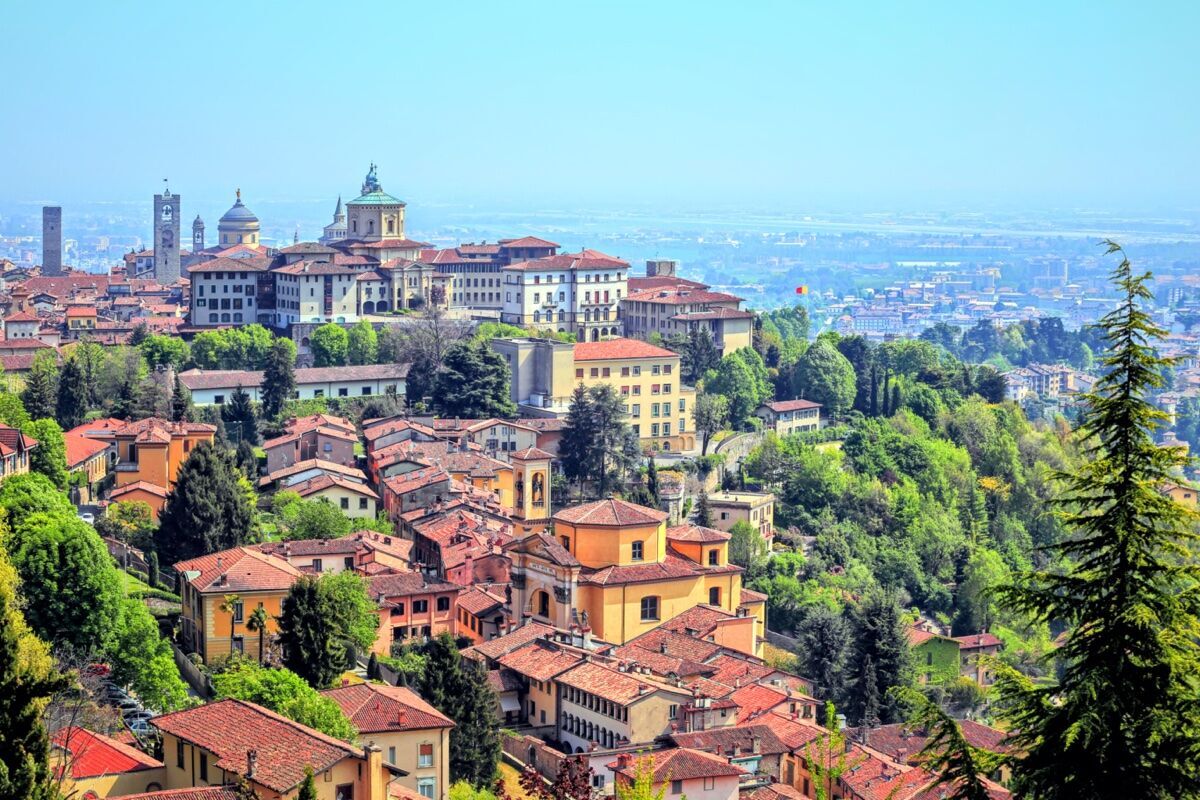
870	695
697	354
873	403
652	482
881	649
897	399
246	459
152	567
704	516
74	395
308	632
597	443
473	383
49	458
181	402
24	743
279	378
40	395
206	511
823	649
1123	719
308	787
959	766
363	344
475	737
329	344
241	423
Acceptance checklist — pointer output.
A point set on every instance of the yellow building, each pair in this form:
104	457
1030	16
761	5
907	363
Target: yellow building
545	372
257	580
412	734
149	455
756	508
219	743
353	499
614	567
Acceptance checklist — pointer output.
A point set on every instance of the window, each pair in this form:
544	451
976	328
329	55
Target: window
425	755
343	392
219	399
649	609
239	611
714	594
345	791
345	503
543	604
443	604
426	787
317	564
179	753
579	374
398	610
713	555
672	711
636	410
204	766
391	755
420	606
362	503
566	542
638	550
676	787
710	784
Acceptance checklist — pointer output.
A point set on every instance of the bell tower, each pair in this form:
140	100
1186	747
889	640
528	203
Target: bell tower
197	235
531	490
166	236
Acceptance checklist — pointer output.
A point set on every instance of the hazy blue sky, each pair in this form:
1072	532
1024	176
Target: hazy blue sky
799	103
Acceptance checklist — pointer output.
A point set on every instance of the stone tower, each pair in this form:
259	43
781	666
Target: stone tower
166	236
52	240
197	235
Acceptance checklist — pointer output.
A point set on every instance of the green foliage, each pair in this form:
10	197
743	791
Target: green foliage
206	511
710	416
598	446
40	395
704	516
279	378
473	383
161	350
697	354
309	633
23	495
362	346
880	652
24	743
49	458
308	787
245	347
825	376
742	377
459	689
959	766
1122	719
823	651
284	692
311	519
355	614
74	394
131	521
142	659
12	411
747	548
829	758
182	409
330	345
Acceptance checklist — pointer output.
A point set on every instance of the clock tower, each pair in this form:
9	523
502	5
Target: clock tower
167	208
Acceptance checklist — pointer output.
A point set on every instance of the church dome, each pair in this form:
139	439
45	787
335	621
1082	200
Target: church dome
238	225
239	212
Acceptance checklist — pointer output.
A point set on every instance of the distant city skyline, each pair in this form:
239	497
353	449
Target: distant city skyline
520	105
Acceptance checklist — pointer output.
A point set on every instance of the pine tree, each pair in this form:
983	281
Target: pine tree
308	632
1123	719
24	744
877	629
597	443
475	737
240	420
206	511
40	395
279	378
652	481
824	645
958	765
704	516
74	396
181	402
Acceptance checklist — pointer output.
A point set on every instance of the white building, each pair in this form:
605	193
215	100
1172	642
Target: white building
214	387
577	293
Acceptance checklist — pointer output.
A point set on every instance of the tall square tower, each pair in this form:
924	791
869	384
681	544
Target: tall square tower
167	211
52	240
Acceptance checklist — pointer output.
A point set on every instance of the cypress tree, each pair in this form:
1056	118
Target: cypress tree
73	395
1123	720
897	400
652	481
308	632
874	407
704	516
181	402
308	788
279	378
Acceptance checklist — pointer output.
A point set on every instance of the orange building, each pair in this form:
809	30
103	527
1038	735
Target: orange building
412	606
149	455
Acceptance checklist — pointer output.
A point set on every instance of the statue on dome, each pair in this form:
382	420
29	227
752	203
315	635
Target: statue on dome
371	183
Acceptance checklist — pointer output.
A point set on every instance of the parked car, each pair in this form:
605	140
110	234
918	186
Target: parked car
133	716
88	517
127	705
140	727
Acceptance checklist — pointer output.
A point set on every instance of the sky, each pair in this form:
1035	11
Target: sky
695	104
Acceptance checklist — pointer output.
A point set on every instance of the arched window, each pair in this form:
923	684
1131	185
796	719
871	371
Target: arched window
354	225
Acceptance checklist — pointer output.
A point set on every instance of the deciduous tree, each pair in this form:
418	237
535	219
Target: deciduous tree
711	416
329	344
362	347
49	458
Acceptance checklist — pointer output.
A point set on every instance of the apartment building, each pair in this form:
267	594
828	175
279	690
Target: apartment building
149	455
785	417
545	372
216	386
225	291
475	280
577	293
670	306
756	508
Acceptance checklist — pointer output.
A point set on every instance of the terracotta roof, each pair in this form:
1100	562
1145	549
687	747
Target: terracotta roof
405	584
244	570
750	597
315	268
383	244
526	241
344	546
251	264
681	295
754	699
774	791
584	259
320	483
610	684
81	311
904	742
610	349
658	662
230	728
792	732
681	764
715	313
407	482
530	454
378	708
144	486
504	680
736	672
479	601
725	740
23	316
91	754
974	641
80	448
673	566
680	645
540	660
312	463
494	648
697	533
781	406
156	429
611	512
196	793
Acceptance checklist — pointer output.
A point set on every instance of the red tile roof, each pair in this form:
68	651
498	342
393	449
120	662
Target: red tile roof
312	463
231	728
781	406
378	708
539	660
610	512
673	566
610	349
526	241
681	764
478	601
584	259
697	534
196	793
725	740
238	570
322	482
143	486
405	584
685	296
609	683
80	448
754	699
494	648
680	645
90	754
975	641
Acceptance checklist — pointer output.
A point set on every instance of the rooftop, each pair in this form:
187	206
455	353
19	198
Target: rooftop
611	349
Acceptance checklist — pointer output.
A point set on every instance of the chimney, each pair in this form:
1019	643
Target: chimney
624	760
377	778
662	646
587	638
643	689
251	762
755	744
